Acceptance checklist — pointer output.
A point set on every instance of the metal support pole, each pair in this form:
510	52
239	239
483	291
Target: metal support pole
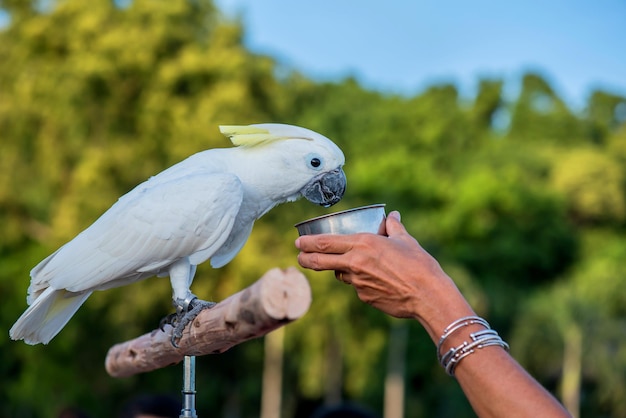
189	388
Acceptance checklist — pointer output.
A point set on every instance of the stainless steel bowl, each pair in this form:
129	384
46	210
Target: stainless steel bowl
362	219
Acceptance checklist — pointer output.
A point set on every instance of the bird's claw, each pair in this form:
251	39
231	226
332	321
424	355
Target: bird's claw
186	312
168	320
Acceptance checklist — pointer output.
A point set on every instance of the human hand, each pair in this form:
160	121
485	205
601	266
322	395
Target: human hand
393	273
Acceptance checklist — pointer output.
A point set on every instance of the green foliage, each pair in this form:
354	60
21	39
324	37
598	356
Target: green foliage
503	226
590	297
540	116
95	98
488	102
593	183
605	113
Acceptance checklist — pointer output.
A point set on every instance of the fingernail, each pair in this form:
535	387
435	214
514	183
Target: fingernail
396	215
297	243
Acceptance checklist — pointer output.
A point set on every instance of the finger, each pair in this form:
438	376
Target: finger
324	243
394	225
342	276
320	261
395	214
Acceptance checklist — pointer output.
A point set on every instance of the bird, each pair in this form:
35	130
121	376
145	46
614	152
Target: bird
202	208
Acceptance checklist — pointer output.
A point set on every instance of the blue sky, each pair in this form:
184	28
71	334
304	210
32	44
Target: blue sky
402	46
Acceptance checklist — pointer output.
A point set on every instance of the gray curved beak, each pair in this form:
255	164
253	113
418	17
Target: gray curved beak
326	189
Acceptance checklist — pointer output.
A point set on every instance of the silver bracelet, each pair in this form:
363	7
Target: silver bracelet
456	325
480	339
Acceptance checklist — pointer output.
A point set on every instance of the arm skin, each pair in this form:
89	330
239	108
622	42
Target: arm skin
396	275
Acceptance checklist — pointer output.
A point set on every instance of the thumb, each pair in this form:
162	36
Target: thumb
393	225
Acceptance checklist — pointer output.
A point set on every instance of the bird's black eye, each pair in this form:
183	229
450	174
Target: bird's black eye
314	161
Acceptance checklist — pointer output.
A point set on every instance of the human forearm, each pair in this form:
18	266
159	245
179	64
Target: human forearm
440	305
488	376
497	386
396	275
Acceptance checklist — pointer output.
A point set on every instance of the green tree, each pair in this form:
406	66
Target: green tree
539	115
604	114
486	106
592	183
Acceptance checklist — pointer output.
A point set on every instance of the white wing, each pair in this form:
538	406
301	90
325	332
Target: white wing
144	232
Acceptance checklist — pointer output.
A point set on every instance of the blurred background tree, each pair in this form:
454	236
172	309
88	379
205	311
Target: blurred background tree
527	216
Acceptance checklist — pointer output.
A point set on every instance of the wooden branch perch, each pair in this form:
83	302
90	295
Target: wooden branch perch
277	298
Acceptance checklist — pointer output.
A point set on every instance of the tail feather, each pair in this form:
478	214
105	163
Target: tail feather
47	315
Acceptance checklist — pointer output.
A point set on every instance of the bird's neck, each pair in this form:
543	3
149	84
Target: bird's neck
262	179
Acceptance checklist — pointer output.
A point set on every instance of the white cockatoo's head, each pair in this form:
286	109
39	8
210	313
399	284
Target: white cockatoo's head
290	161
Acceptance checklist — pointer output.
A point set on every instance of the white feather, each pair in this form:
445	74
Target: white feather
47	315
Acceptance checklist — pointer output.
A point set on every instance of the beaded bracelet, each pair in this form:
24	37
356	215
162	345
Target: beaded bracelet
480	339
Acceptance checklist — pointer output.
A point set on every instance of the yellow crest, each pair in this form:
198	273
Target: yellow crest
241	135
253	135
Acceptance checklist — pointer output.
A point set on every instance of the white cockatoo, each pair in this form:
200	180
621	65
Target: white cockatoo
199	209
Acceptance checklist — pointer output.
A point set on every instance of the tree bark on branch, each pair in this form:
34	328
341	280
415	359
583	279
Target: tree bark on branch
276	299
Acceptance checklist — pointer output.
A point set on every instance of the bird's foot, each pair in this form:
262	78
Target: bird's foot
186	311
168	320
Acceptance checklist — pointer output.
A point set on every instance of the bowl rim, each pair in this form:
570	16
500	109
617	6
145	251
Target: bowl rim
328	215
